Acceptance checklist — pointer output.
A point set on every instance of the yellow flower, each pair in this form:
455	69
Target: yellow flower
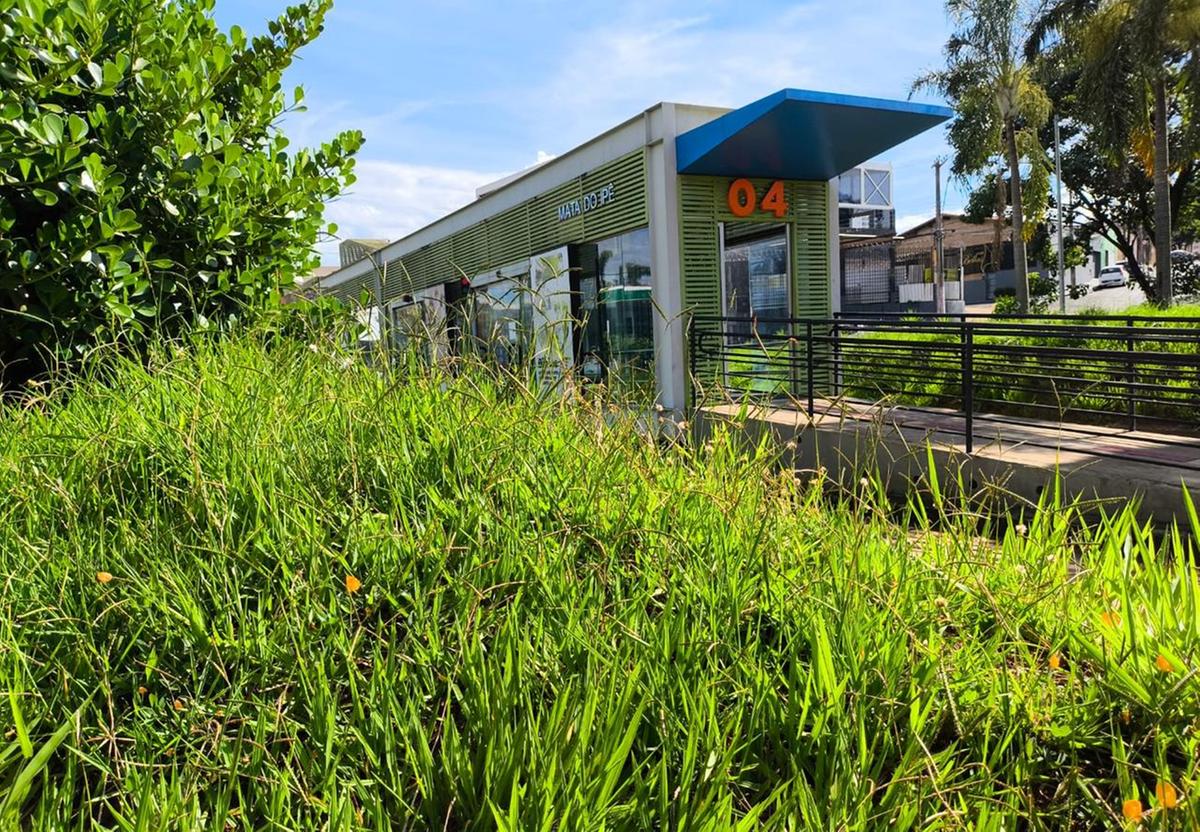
1110	619
178	704
104	577
1166	795
353	584
1164	664
1055	661
1132	809
1126	716
141	690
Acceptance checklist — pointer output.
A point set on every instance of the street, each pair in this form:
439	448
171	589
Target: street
1104	300
1108	300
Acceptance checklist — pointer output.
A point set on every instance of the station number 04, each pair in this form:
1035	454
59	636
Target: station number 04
743	199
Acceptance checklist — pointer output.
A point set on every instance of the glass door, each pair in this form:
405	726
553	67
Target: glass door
756	300
501	320
410	330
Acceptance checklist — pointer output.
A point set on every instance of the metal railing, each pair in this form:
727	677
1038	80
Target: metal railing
1128	372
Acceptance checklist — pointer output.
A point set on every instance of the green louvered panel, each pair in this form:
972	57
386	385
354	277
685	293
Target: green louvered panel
421	270
546	231
809	209
808	220
528	229
416	268
701	272
469	250
395	279
441	267
352	289
628	209
699	247
508	236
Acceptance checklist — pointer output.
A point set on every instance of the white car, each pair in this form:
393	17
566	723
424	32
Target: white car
1112	277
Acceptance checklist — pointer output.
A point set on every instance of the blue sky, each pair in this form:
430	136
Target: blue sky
452	94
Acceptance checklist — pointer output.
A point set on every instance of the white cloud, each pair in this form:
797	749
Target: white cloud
391	199
907	221
608	73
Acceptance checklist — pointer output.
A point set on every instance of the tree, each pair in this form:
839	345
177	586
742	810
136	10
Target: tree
1116	200
1137	75
999	109
145	185
1123	74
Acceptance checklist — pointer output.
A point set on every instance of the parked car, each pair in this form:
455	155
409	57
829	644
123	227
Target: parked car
1112	276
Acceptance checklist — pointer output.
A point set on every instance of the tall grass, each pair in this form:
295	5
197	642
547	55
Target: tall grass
257	585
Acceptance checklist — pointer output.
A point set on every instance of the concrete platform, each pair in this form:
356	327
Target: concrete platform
1014	459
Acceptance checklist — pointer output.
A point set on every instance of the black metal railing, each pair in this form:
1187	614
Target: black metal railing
1128	372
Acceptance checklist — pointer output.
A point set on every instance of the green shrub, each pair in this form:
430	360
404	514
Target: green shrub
144	185
1005	305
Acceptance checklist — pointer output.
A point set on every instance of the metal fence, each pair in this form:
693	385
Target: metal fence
1129	372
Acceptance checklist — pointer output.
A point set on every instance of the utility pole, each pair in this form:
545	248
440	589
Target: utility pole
1062	276
939	254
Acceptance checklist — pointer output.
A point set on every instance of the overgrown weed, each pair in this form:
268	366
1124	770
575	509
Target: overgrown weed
258	585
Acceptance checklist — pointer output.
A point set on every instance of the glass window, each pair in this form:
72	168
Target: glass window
850	187
501	319
878	186
409	329
756	282
755	290
617	311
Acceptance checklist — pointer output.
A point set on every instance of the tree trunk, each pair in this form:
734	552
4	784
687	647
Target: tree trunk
1162	194
1018	219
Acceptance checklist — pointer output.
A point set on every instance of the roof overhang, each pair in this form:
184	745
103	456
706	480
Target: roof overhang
802	135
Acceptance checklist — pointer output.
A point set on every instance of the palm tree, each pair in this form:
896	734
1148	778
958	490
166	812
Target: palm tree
999	106
1137	55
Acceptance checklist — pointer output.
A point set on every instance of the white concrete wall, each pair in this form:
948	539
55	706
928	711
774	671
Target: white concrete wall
835	249
662	183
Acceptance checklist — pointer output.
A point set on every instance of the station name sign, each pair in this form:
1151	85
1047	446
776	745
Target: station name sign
586	203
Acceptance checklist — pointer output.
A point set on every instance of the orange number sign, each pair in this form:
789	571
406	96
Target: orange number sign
775	201
743	199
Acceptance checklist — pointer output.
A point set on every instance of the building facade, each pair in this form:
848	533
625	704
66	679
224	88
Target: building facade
596	260
865	208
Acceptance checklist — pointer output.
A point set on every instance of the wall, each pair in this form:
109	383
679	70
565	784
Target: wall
529	228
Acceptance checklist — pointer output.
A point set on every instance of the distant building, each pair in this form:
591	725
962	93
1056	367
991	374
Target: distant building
897	273
351	251
865	208
309	286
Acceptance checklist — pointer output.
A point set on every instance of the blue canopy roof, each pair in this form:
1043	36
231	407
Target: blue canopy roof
799	134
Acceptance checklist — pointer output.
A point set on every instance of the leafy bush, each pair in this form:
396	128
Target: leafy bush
144	186
1006	304
270	588
1043	289
1185	274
